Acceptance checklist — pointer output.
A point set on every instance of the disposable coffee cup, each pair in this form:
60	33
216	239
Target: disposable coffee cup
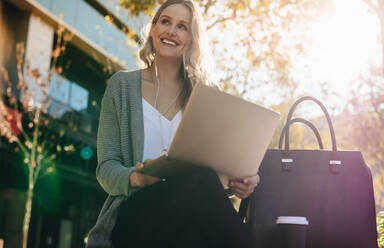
293	231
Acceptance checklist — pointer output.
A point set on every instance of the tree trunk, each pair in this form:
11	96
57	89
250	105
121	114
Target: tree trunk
27	216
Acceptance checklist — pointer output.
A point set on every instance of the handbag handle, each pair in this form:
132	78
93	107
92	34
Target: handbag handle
334	162
289	117
304	121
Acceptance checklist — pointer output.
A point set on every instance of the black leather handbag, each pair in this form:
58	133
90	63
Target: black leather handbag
333	189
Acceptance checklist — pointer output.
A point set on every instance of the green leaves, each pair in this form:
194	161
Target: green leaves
136	7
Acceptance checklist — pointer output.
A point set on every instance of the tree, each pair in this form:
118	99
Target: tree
23	119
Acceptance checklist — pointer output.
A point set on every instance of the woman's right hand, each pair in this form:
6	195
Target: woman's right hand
138	179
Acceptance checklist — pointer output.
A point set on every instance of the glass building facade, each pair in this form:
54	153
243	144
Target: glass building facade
98	28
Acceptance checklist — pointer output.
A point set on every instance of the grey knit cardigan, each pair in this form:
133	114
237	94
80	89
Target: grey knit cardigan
120	144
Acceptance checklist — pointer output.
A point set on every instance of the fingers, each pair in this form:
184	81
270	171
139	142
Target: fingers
248	181
148	180
255	179
141	180
139	166
240	186
240	194
243	188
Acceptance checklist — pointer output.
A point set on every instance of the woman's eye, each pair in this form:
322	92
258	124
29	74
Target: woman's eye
164	21
182	26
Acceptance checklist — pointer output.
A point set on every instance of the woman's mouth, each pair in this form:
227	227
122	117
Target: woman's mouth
168	42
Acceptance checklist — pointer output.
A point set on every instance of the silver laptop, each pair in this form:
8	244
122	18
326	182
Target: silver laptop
221	132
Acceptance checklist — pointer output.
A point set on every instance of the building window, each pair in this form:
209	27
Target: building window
66	96
78	97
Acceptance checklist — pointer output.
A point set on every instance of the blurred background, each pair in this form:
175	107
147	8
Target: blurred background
56	57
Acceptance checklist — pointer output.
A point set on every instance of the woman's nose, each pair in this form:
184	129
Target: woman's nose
172	29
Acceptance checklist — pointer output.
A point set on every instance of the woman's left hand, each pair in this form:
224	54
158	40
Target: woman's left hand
244	187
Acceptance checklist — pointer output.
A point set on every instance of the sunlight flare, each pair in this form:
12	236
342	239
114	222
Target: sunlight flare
345	44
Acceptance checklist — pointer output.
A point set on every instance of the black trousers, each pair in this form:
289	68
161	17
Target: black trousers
189	210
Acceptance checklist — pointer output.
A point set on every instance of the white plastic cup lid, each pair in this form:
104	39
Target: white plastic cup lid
297	220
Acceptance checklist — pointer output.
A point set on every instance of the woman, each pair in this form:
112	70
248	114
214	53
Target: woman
140	114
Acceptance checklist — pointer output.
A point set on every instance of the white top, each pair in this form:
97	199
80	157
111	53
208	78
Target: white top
158	131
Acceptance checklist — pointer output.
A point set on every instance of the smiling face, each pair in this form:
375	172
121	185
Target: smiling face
171	34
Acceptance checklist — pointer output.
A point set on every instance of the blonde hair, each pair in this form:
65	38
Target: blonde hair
196	66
